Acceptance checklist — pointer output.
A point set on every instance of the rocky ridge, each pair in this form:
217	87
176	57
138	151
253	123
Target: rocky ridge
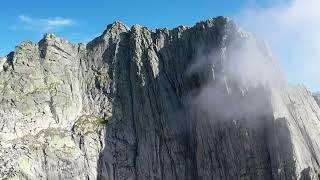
128	105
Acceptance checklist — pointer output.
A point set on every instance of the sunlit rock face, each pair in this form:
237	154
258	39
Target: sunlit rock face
201	102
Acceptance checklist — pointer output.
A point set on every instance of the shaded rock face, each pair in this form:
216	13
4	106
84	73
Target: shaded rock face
137	104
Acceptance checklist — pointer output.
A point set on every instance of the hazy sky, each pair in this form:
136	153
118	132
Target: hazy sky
290	27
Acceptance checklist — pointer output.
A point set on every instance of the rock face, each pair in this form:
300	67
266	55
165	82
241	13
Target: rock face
139	104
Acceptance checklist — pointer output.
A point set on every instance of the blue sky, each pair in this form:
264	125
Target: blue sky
82	20
89	18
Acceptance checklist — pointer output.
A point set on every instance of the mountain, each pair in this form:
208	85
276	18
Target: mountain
201	102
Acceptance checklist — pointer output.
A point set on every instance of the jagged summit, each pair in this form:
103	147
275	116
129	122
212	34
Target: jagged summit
164	104
120	26
115	26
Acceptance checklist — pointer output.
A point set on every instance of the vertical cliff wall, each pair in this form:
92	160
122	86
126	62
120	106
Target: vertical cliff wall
163	104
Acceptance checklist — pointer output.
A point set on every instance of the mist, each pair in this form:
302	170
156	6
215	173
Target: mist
284	47
238	78
292	29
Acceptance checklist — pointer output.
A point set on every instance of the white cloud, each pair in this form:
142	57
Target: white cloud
293	30
59	22
242	87
44	24
25	19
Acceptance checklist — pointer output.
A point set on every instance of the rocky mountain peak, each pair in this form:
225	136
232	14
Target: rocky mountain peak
115	27
181	103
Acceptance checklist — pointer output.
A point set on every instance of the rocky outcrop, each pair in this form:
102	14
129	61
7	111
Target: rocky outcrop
317	97
163	104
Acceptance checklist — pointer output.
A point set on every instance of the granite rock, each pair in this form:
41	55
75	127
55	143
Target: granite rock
165	104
